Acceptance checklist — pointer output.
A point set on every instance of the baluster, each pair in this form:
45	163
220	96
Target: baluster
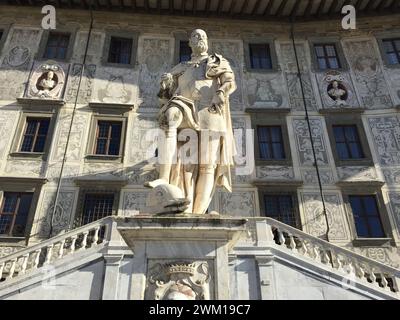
316	252
304	247
84	241
372	275
1	269
325	257
37	257
24	264
72	248
12	269
361	271
96	235
48	254
292	243
337	264
61	249
350	267
384	282
281	237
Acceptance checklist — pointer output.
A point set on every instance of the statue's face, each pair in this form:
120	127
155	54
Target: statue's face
198	41
50	75
335	84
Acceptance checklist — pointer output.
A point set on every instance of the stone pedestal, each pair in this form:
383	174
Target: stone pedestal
180	257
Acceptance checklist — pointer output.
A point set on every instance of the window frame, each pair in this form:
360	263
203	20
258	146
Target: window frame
270	142
349	119
359	189
107	45
16	152
15	213
335	41
271	119
3	38
36	134
276	191
22	185
94	187
95	145
272	49
91	144
388	35
179	36
45	37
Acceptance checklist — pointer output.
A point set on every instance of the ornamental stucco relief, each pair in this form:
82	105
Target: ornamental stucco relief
7	121
238	203
303	141
265	90
115	86
394	198
86	89
76	145
310	176
315	223
386	137
368	74
275	172
133	202
357	173
62	214
155	59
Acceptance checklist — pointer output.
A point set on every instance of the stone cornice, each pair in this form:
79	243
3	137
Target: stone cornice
41	102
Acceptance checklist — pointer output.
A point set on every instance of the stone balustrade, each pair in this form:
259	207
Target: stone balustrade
351	265
51	250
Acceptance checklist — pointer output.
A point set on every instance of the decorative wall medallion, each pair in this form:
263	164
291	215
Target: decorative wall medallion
178	280
47	81
336	90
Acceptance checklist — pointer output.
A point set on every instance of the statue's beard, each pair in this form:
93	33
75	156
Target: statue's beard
200	47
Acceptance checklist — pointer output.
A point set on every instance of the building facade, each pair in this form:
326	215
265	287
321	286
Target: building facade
317	128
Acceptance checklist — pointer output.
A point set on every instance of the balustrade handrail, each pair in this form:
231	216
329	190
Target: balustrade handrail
328	245
90	226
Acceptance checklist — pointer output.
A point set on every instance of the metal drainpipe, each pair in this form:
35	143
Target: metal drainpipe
72	120
309	129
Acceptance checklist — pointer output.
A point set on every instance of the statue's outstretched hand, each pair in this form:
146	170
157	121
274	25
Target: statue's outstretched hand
217	103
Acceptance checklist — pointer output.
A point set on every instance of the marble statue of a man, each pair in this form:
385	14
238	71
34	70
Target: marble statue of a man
194	95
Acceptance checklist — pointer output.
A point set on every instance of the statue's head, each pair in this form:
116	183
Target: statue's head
198	41
50	75
335	84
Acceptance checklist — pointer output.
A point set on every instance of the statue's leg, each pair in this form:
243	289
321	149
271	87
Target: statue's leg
168	147
205	183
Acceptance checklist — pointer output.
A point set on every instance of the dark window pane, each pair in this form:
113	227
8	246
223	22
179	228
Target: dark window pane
392	57
260	56
348	143
280	207
27	144
278	152
185	51
361	228
392	49
14	214
271	144
120	50
327	56
57	45
339	133
319	50
366	216
322	64
108	137
39	144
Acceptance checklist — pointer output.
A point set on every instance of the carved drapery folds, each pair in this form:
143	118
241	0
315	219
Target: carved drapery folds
179	280
46	81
